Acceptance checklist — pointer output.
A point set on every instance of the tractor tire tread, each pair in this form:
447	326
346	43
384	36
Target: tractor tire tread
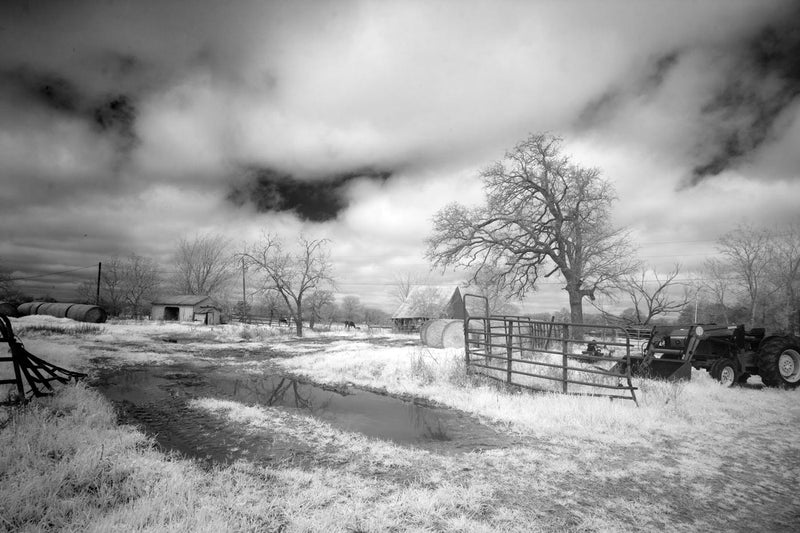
767	360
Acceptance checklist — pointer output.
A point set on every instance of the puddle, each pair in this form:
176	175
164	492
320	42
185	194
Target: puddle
156	399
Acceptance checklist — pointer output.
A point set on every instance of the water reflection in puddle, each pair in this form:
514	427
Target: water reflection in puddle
157	397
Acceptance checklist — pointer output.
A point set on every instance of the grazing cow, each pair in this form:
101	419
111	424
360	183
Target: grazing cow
283	322
350	324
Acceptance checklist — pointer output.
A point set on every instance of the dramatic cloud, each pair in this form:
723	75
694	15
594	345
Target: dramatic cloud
318	200
125	125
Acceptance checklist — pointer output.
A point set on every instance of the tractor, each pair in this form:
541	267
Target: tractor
731	354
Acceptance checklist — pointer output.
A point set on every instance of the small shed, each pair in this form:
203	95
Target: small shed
427	302
187	308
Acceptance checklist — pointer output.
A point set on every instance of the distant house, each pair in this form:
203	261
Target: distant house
426	303
187	308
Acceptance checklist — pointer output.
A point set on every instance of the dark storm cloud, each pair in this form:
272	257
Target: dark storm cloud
762	82
48	90
113	114
318	200
117	115
604	107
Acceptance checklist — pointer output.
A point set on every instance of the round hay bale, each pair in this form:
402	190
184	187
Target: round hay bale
422	330
433	335
453	335
58	310
87	313
8	309
28	308
433	330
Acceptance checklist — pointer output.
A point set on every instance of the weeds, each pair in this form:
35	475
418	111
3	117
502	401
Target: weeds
259	334
424	366
664	394
76	330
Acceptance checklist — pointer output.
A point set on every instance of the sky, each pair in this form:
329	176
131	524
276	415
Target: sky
128	125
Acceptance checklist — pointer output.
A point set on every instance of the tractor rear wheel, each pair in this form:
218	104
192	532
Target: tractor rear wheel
726	371
779	362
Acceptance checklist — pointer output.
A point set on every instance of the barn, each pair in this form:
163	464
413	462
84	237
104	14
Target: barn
427	302
187	308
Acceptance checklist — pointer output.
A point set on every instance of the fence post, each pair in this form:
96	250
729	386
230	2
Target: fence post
509	348
466	341
549	333
564	359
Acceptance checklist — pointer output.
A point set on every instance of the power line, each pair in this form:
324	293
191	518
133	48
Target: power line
52	273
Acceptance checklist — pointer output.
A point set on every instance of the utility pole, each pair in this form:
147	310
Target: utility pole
244	294
97	295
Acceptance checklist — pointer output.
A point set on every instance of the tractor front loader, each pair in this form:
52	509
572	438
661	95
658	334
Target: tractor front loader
730	354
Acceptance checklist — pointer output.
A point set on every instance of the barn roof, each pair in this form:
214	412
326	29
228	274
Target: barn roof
427	301
184	299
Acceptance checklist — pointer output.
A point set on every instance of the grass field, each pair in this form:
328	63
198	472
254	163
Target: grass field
692	457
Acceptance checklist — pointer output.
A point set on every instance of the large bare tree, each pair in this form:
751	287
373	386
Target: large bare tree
293	272
543	215
203	265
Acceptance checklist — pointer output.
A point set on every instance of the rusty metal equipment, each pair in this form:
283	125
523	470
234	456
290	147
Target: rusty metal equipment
29	369
731	354
549	356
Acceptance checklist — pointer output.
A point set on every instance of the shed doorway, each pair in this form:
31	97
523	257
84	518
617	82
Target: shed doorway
171	313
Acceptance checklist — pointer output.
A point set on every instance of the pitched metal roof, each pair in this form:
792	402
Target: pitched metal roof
184	299
426	301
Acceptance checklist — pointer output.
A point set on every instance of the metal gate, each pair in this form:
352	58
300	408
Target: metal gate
593	360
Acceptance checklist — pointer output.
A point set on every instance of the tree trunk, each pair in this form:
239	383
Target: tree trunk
575	306
576	295
298	317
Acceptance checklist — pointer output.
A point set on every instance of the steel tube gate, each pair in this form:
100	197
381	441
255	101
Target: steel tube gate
582	359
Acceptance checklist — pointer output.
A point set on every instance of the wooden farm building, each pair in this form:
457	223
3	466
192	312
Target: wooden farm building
426	303
187	308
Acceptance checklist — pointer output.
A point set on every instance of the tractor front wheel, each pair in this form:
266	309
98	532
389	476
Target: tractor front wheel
726	371
779	363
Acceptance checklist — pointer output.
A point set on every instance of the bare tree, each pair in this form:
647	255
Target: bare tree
784	271
747	250
404	282
112	285
203	265
717	281
274	305
316	302
8	289
351	307
292	273
489	283
653	294
140	282
543	215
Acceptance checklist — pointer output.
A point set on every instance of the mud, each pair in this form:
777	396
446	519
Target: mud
156	398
